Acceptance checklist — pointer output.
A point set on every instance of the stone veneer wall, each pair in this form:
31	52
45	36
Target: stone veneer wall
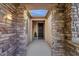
7	30
57	30
71	40
13	32
75	23
67	22
67	27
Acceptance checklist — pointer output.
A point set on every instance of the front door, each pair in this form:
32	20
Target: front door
40	30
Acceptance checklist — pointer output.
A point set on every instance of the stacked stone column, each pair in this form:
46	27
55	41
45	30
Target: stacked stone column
21	35
57	31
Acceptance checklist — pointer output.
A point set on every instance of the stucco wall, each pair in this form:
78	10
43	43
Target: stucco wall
48	30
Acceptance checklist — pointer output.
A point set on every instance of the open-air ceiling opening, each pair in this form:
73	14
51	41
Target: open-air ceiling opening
38	12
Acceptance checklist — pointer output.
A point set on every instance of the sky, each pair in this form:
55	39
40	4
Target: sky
39	13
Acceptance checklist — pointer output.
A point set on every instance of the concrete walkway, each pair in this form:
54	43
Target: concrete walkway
38	48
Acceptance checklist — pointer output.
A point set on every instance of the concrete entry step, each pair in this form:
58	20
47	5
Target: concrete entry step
38	48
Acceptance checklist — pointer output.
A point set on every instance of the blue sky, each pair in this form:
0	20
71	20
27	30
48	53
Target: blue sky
39	13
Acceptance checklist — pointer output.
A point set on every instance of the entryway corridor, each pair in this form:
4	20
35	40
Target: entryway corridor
23	25
38	48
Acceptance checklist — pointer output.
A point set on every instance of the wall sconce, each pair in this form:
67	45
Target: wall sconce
7	19
9	16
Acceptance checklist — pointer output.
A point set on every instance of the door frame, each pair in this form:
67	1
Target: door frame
38	21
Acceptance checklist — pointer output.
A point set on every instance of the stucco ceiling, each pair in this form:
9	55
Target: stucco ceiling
38	6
